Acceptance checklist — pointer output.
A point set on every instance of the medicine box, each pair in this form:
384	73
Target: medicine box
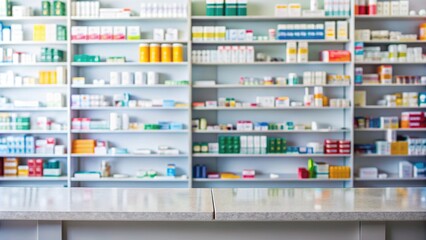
133	33
106	33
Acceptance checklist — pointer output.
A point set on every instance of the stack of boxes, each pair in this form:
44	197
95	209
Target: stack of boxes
413	120
226	7
17	145
57	8
276	145
231	145
35	167
52	55
83	146
52	168
10	167
49	32
332	146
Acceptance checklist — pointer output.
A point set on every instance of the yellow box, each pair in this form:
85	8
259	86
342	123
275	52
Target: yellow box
39	32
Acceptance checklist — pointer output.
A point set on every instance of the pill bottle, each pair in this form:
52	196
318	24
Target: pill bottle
166	53
154	52
177	52
423	31
143	53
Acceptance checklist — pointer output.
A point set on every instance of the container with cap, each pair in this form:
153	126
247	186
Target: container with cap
144	53
220	7
210	7
166	53
177	52
154	52
231	8
423	31
242	7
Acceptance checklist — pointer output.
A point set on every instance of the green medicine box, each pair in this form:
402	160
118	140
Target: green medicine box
46	8
231	7
61	33
242	8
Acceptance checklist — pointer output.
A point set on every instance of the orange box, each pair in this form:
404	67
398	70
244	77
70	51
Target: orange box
336	56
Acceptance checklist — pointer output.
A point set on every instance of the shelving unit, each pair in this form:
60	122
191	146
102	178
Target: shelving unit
389	163
227	77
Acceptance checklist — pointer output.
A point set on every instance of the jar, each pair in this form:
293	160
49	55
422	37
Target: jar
106	169
177	52
143	53
204	148
166	53
154	52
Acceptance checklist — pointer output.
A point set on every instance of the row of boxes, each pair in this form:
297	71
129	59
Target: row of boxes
330	30
55	77
28	144
9	167
105	33
49	32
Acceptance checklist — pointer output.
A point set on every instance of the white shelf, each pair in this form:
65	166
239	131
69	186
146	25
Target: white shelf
396	130
39	109
127	108
386	156
133	18
269	131
390	63
131	131
88	42
39	64
390	179
32	43
269	42
43	86
390	85
263	18
270	63
265	108
106	64
127	156
33	179
385	107
34	19
266	178
91	86
266	86
376	17
32	132
130	179
393	41
34	155
272	155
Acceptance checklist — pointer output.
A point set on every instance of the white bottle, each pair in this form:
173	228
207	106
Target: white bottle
125	120
314	5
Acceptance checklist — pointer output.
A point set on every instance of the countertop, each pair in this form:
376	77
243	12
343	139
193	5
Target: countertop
374	204
112	204
102	204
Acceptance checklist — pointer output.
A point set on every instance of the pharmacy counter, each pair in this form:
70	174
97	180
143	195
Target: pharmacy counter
182	214
388	204
103	204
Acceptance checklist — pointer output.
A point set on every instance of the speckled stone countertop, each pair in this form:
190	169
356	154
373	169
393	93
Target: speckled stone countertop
375	204
101	204
112	204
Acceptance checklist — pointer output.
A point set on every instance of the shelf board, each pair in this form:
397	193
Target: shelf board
131	131
390	63
263	18
270	63
33	179
91	86
267	86
127	108
270	131
35	18
38	64
396	130
40	86
217	155
101	64
32	43
385	107
390	179
390	85
88	42
39	109
271	42
32	132
264	108
34	155
266	178
376	17
386	156
392	41
127	156
133	18
130	179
